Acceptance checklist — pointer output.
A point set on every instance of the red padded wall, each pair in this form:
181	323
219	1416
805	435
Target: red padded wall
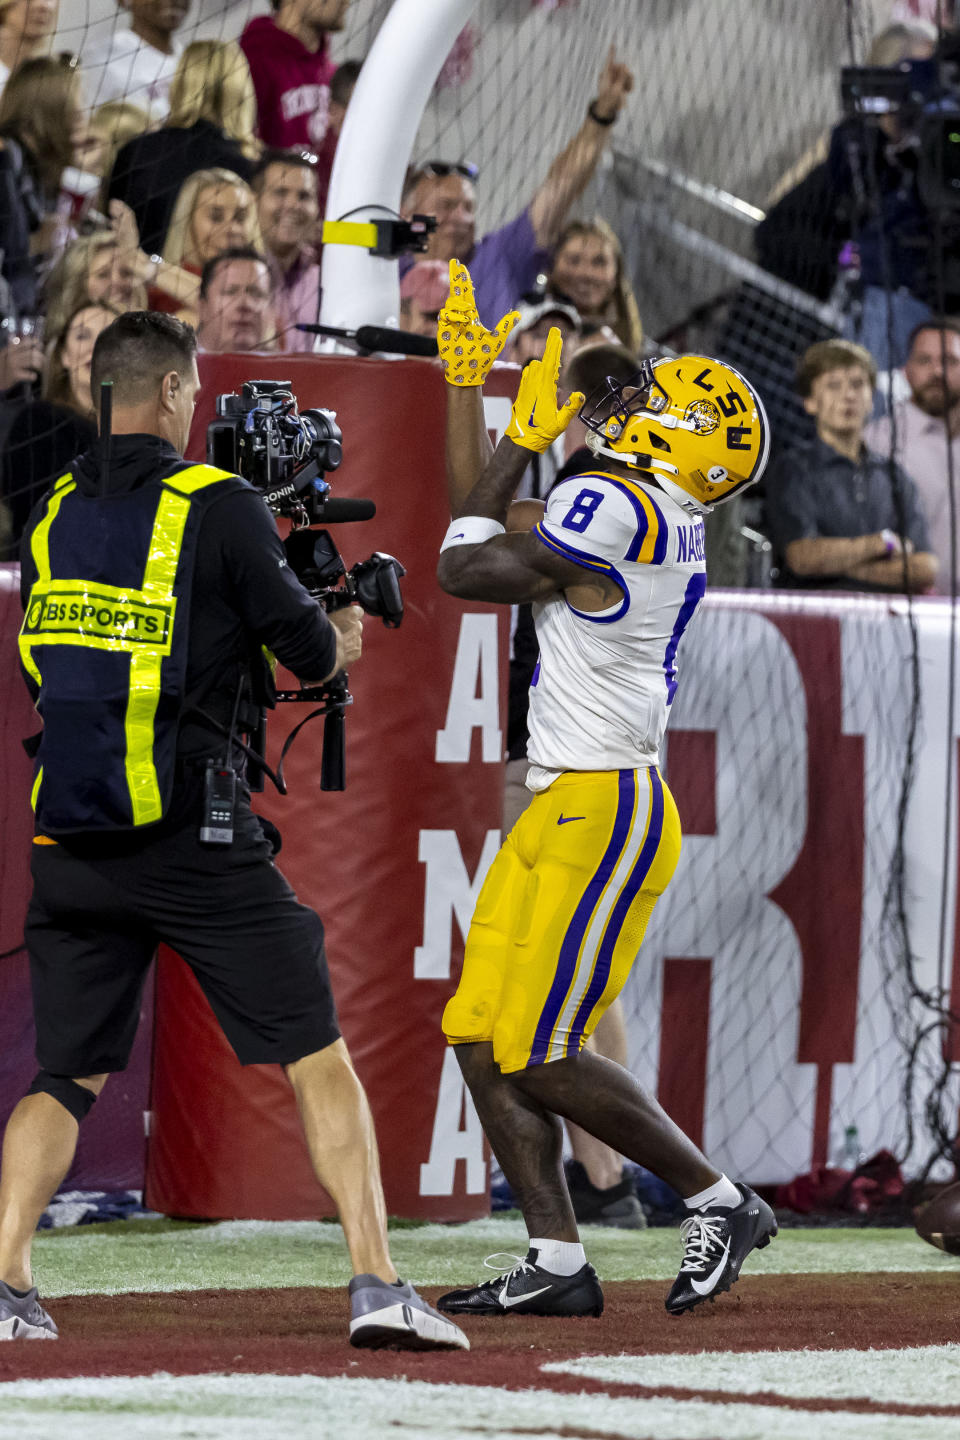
225	1141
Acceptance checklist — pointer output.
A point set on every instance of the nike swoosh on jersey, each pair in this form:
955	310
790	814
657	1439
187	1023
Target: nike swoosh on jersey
507	1300
703	1287
565	819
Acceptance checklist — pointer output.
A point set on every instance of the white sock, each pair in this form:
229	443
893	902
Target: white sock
561	1257
723	1195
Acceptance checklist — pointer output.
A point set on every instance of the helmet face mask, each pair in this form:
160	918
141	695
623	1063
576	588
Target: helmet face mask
696	424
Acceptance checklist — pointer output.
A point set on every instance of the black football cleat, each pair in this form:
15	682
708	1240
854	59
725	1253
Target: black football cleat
715	1244
528	1289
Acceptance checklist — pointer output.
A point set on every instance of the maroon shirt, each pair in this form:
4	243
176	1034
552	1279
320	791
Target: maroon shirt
292	85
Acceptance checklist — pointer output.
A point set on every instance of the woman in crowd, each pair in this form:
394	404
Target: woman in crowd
47	433
111	267
588	270
41	110
213	114
26	28
215	211
111	126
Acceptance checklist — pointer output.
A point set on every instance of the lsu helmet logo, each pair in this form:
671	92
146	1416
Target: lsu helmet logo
696	424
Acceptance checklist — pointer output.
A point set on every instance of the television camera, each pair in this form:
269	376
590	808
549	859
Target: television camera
286	454
924	97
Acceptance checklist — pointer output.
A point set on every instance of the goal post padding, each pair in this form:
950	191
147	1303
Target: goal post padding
390	863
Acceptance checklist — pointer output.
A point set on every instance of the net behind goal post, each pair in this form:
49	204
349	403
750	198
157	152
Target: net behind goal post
727	98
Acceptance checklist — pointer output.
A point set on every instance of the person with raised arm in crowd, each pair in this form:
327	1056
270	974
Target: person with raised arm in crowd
285	184
837	517
506	262
137	63
26	29
924	434
128	853
236	303
289	57
211	125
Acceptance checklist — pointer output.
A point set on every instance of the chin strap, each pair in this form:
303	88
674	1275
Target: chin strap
660	468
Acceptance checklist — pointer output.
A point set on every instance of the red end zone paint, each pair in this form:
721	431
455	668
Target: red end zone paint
302	1331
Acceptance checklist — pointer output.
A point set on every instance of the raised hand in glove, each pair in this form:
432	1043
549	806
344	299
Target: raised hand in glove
467	350
536	421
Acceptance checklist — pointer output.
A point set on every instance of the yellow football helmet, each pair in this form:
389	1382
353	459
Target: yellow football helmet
695	423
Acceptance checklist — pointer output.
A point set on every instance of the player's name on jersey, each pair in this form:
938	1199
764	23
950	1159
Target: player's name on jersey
689	543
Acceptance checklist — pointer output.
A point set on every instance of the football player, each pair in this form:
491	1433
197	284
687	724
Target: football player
614	565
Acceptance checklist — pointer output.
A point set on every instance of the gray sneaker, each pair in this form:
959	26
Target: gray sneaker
24	1318
384	1316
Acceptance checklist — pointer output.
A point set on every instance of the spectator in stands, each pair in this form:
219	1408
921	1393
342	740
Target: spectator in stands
213	113
41	109
109	128
289	57
285	184
20	219
341	88
26	28
505	263
925	437
215	211
94	269
529	336
110	267
588	270
47	433
137	64
423	291
236	302
837	517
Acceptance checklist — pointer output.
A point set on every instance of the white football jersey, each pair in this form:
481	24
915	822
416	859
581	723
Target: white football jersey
603	685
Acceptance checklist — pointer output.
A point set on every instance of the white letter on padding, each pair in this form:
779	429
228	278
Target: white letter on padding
466	709
453	1141
448	892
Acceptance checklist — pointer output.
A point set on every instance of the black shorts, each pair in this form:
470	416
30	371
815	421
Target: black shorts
98	913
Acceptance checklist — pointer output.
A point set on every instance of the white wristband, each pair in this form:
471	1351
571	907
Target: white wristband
471	530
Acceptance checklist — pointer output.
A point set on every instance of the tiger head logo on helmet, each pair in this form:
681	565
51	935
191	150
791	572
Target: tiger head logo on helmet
695	423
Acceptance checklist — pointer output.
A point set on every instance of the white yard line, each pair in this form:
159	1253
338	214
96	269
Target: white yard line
304	1407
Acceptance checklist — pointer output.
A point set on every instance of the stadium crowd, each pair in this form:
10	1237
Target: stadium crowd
191	178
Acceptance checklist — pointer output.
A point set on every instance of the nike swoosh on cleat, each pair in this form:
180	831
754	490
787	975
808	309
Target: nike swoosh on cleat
507	1300
703	1287
565	819
458	536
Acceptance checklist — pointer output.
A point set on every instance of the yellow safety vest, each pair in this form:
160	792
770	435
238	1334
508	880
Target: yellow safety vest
104	646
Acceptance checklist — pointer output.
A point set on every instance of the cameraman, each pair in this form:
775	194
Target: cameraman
150	588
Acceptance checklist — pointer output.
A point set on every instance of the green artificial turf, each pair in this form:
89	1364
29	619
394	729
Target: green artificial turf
245	1254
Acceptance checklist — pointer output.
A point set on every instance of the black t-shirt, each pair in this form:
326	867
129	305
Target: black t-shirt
150	169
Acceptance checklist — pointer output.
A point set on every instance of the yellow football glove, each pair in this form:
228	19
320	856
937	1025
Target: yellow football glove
467	350
536	422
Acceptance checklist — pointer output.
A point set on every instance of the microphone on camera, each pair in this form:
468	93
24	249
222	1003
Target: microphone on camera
369	338
339	511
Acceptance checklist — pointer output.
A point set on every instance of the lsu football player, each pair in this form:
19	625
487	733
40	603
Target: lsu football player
614	566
